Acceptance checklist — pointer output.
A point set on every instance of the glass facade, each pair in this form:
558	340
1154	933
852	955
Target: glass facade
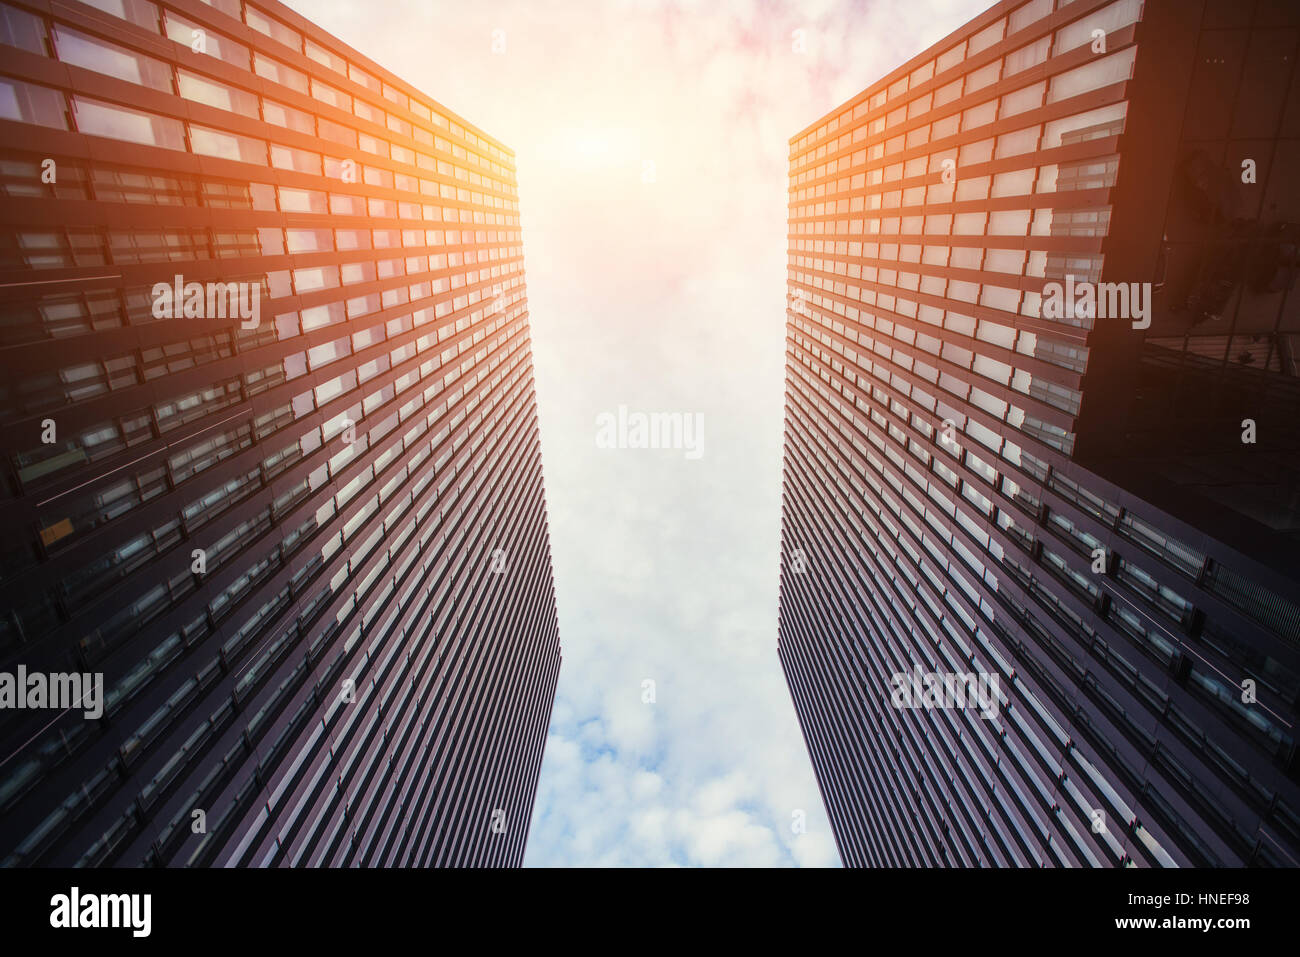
301	530
939	513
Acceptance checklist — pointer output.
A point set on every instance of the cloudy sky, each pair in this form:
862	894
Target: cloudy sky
652	141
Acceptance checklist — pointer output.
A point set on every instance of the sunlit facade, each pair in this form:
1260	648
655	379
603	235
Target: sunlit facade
306	544
975	484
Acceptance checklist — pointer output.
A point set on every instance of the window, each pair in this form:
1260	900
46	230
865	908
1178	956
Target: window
1092	76
396	96
309	240
200	89
1107	121
984	76
1031	12
331	95
401	127
323	355
140	12
229	7
336	132
987	37
28	103
1171	550
302	201
367	112
372	144
203	40
325	57
91	53
1018	182
363	78
231	146
1019	142
317	277
1029	98
272	28
374	176
1110	18
980	115
349	239
122	123
288	117
358	272
20	29
300	161
344	205
1028	56
317	317
277	72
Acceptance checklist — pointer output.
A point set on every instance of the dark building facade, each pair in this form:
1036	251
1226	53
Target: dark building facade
270	451
1092	509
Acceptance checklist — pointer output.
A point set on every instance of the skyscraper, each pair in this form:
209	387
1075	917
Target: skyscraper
271	459
1040	594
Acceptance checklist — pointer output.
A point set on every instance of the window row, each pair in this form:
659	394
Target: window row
29	32
29	103
1109	19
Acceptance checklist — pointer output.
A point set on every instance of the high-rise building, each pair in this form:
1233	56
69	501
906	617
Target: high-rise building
1040	594
270	452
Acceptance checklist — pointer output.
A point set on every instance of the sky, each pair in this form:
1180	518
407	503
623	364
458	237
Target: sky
652	141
